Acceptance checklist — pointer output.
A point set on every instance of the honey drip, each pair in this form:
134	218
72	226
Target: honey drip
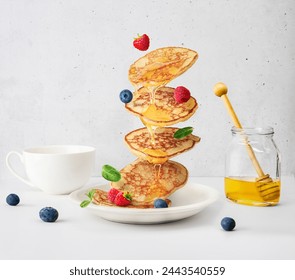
157	168
154	112
156	187
152	91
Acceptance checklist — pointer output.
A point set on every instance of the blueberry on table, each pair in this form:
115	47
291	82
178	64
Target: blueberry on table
126	96
48	214
228	224
160	203
12	199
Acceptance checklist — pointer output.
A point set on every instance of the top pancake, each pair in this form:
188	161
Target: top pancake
160	66
164	111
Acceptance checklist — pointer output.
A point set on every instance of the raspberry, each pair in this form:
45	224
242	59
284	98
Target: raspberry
112	193
181	94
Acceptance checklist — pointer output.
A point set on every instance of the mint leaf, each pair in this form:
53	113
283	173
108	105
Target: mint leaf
110	173
183	132
86	202
91	194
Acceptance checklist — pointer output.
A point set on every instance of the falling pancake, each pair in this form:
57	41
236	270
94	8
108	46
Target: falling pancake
100	197
146	181
160	66
164	111
163	147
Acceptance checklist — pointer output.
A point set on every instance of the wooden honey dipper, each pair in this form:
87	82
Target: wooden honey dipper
268	189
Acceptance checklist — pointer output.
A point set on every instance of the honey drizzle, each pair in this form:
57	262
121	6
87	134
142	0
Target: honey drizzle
152	89
151	129
157	172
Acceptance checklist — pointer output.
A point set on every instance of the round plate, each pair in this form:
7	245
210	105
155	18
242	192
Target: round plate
186	202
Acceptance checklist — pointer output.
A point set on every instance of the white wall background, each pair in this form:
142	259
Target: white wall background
63	64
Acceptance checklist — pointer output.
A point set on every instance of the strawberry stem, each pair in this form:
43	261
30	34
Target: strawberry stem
128	196
138	36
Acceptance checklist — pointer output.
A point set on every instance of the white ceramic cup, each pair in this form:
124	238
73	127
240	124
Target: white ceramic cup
55	169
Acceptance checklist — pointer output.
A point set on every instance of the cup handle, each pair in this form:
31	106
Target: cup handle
11	169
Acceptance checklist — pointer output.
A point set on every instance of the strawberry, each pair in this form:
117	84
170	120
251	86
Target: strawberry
112	194
181	94
122	199
142	42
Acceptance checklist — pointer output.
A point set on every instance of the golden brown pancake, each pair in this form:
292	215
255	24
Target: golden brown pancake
101	198
162	148
160	66
164	111
146	181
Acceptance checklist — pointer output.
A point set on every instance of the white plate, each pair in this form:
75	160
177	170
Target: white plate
186	202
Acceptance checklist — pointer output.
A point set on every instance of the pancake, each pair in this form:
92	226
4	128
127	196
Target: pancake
101	198
162	148
164	111
146	181
160	66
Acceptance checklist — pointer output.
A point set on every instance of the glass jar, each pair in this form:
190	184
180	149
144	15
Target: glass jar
252	167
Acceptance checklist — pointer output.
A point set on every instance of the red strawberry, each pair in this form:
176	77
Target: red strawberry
181	94
122	199
142	42
112	194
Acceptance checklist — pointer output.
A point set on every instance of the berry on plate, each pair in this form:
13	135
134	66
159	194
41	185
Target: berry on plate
228	224
112	193
48	214
122	199
126	96
142	42
12	199
181	94
160	203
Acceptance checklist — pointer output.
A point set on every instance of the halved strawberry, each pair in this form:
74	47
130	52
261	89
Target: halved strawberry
142	42
122	199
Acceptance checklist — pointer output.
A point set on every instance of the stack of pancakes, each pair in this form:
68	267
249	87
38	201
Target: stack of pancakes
153	175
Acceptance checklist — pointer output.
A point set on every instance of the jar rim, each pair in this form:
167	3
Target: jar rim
267	130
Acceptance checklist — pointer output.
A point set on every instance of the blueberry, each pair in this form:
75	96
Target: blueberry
228	223
160	203
126	96
12	199
48	214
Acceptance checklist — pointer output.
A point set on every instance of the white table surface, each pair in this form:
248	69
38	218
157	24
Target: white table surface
261	232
